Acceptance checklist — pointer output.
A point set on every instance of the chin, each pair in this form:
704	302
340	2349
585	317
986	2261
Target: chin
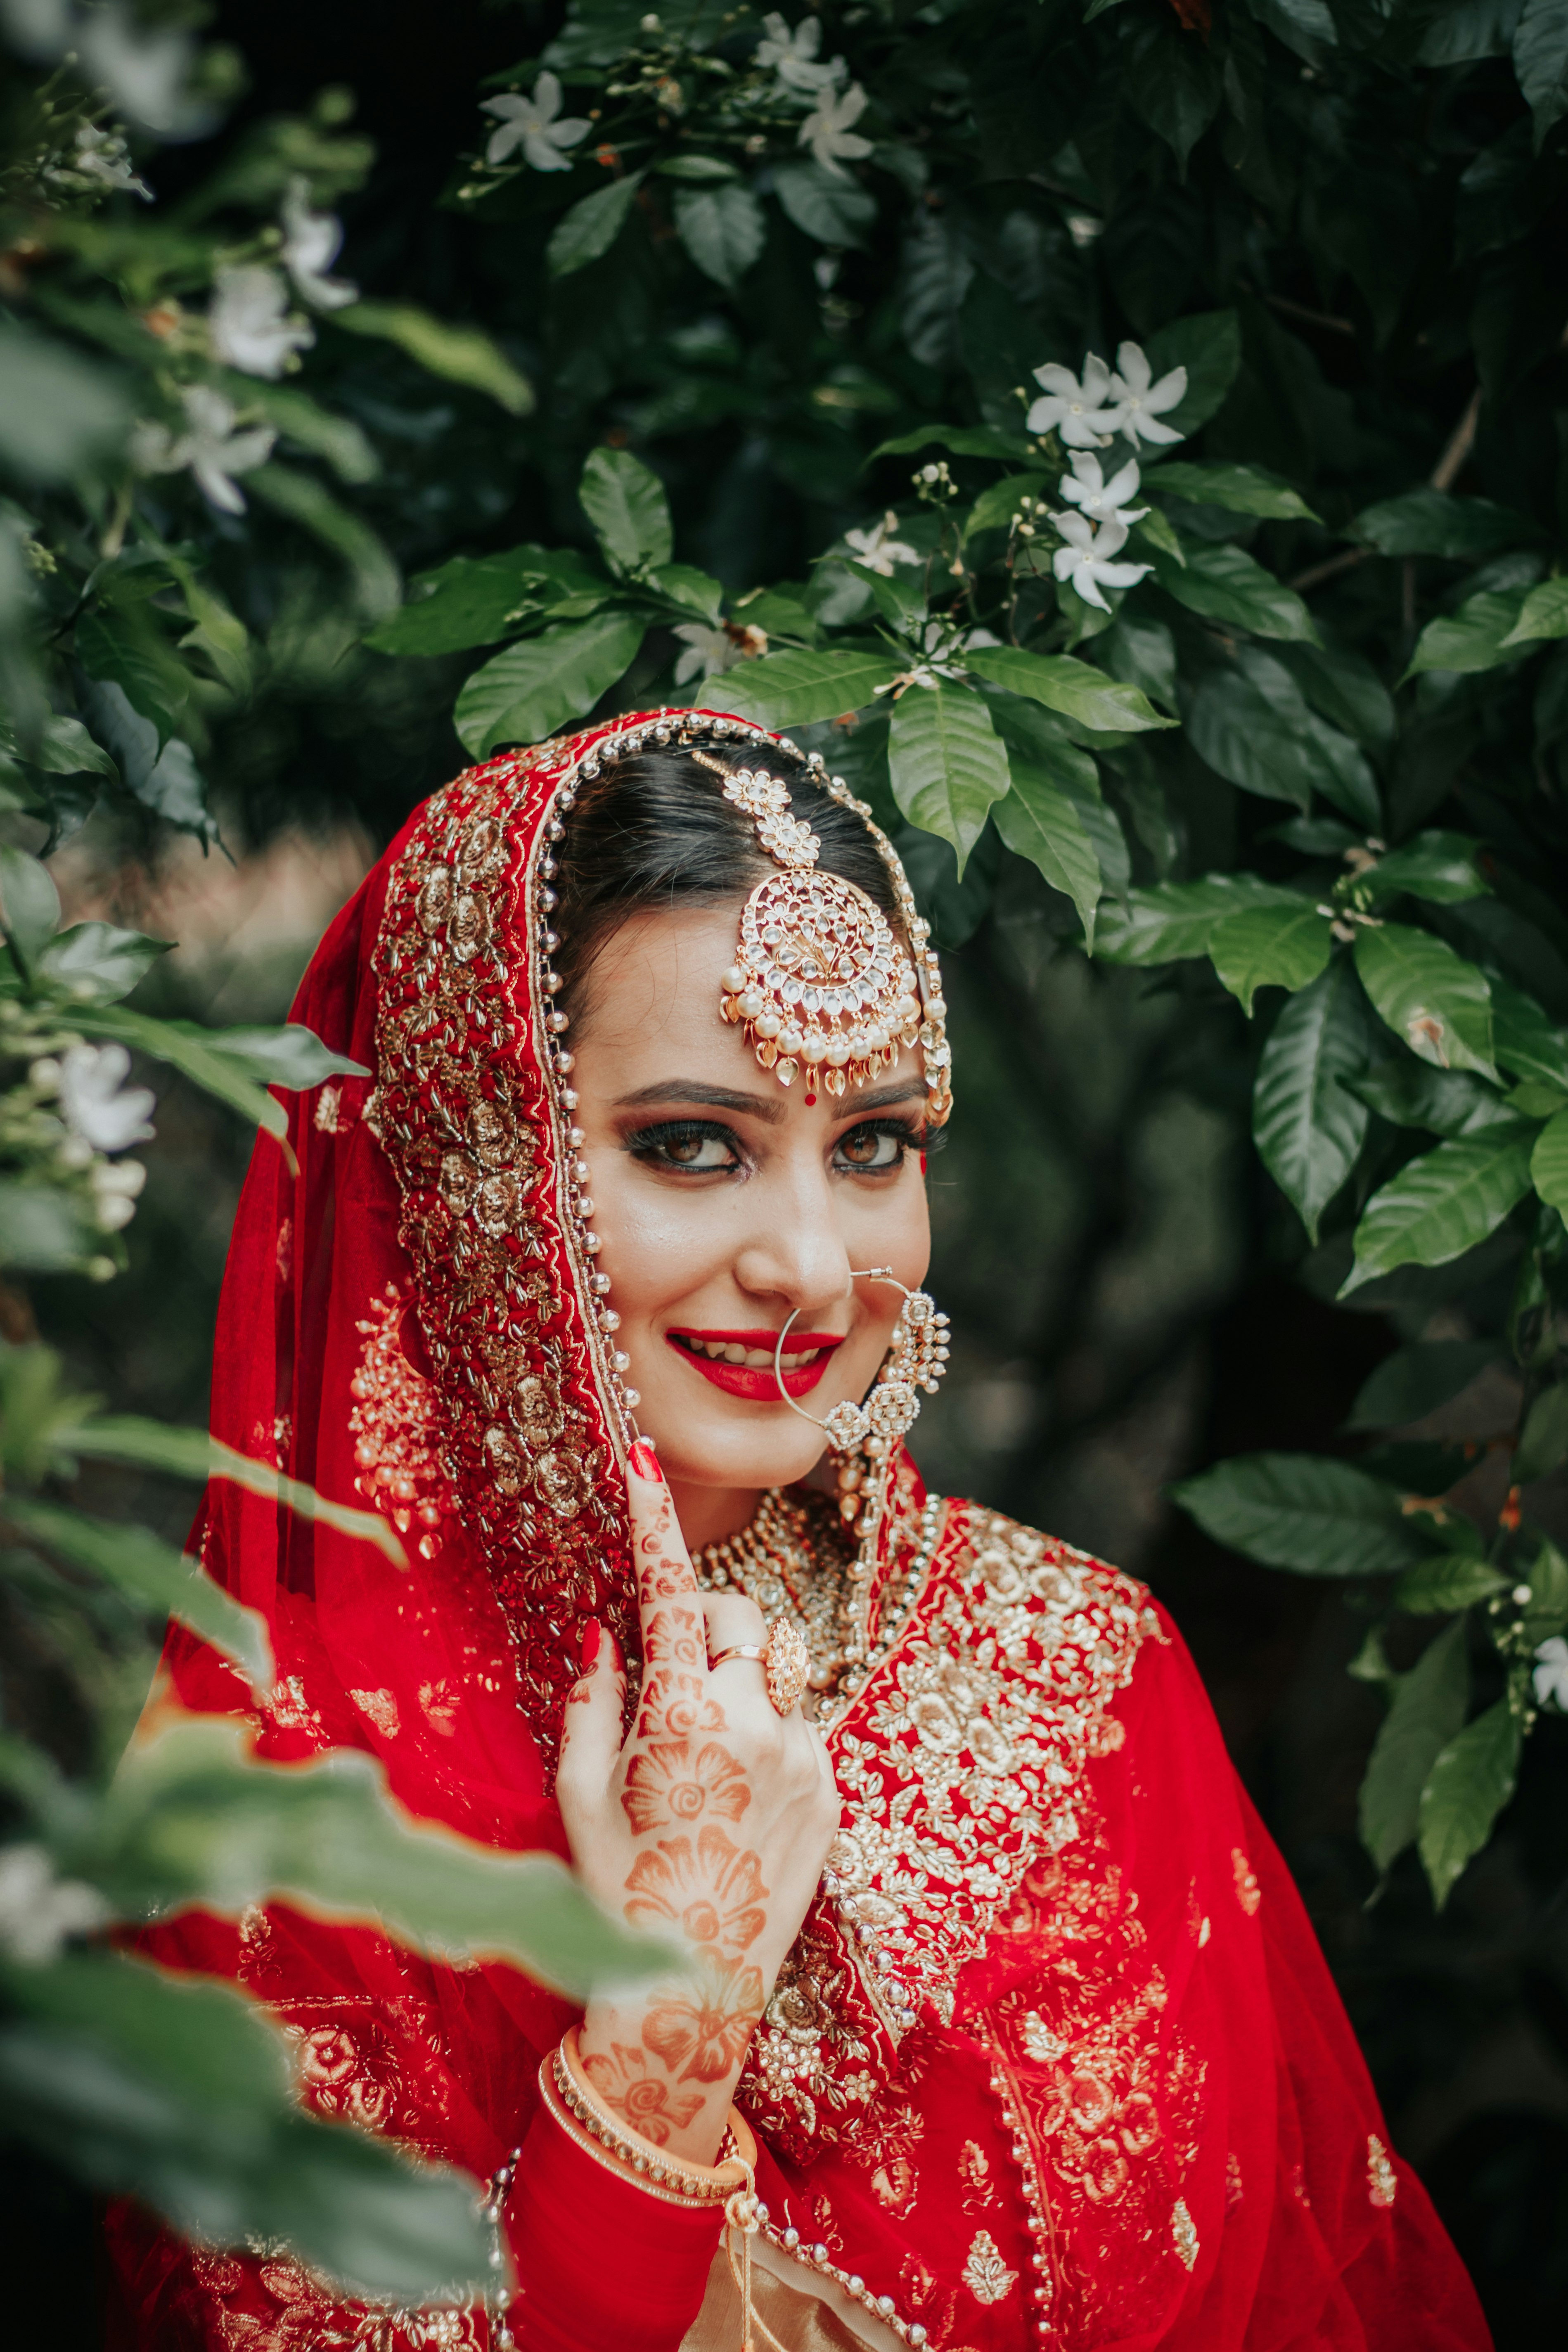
721	1444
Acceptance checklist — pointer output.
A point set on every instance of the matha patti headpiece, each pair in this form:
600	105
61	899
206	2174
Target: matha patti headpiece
820	981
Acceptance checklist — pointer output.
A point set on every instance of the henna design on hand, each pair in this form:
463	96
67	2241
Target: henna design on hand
701	2026
645	2102
710	1889
669	1785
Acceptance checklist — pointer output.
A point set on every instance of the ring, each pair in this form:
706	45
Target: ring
784	1658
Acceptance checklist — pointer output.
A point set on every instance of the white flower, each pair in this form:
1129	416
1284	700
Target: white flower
1075	408
530	123
116	1188
212	450
145	68
1143	402
101	158
99	1108
708	651
248	323
37	1910
1084	560
1101	500
1552	1673
793	55
826	131
877	549
311	243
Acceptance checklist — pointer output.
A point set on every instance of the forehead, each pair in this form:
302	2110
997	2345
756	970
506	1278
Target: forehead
657	979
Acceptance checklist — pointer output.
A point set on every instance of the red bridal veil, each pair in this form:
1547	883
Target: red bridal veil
1055	2060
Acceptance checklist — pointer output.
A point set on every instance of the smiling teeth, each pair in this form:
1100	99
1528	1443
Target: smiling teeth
756	1359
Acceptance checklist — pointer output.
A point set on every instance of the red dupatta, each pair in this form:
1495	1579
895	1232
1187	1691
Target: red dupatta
1054	2061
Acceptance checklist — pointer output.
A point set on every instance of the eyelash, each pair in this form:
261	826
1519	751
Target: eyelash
656	1145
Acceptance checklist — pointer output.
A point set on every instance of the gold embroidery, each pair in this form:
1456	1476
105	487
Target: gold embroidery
381	1707
975	2186
1038	2041
1248	1894
985	2275
393	1421
1184	2234
1382	2181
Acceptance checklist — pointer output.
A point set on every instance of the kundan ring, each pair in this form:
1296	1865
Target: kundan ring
784	1659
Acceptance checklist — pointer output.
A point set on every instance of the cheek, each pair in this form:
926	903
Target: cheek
659	1244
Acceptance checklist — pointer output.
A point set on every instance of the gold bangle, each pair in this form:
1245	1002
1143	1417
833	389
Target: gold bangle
581	2137
678	2177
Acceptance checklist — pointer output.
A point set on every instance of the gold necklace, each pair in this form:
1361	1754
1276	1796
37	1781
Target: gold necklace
784	1560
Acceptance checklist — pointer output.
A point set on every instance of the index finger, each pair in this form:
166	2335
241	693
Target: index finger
673	1627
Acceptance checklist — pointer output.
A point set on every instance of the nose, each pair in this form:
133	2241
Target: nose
794	1251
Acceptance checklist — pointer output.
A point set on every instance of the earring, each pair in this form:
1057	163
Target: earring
916	1359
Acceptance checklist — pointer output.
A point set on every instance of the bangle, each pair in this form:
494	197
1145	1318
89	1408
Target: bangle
677	2179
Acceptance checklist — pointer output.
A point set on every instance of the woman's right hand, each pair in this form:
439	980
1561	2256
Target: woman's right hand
711	1822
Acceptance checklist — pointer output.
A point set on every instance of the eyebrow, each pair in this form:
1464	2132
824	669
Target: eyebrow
764	1106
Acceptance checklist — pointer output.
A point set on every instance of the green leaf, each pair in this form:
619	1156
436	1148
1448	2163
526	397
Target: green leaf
833	211
1410	1093
899	600
947	764
962	440
1171	82
1433	1000
1546	1612
193	1817
1441	1587
152	1575
1415	1380
473	601
1302	1512
96	962
794	689
63	413
44	1230
1039	821
163	776
29	905
1433	522
235	1065
1428	1708
461	354
1466	1790
625	501
1524	1041
1240	490
1141	651
132	657
592	226
1174	919
1250	720
1270	946
1343	687
1038	740
321	432
1541	61
1441	1205
998	502
1222	582
1207	343
698	168
693	591
1439	867
61	748
1076	688
192	1454
531	688
1307	1126
1543	1441
1548	1163
178	2091
1543	613
722	229
1476	637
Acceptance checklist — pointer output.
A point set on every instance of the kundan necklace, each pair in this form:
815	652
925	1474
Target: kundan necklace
782	1562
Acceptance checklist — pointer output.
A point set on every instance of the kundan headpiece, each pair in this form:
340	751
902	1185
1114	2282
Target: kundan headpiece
820	981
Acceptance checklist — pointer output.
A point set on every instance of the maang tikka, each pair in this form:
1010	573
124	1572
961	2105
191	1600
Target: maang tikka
820	983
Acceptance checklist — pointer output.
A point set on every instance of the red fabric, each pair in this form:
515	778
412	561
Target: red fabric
1127	2110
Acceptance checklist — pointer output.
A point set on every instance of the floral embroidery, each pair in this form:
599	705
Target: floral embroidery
1038	2040
974	2182
985	2275
667	1784
1234	2191
1382	2181
1184	2234
712	1890
1248	1893
393	1421
381	1707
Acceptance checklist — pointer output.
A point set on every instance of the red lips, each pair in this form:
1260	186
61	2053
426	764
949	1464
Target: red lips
752	1381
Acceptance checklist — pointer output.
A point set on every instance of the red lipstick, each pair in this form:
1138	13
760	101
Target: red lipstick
754	1382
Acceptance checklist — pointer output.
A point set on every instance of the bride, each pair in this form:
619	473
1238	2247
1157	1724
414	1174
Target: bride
1002	2025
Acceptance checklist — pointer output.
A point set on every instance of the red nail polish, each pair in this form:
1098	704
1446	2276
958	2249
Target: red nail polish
592	1634
922	1163
645	1462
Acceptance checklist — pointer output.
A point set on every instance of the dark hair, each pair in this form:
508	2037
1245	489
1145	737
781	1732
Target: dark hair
654	832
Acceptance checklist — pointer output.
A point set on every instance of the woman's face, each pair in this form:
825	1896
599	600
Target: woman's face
726	1205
